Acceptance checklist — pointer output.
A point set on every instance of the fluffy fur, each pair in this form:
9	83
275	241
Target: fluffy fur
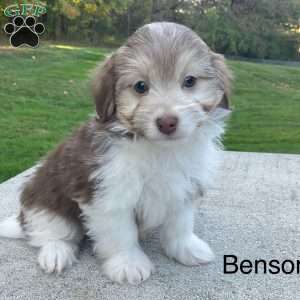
119	175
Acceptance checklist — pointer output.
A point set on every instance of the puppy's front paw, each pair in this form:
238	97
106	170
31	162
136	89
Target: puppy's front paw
189	251
55	256
128	267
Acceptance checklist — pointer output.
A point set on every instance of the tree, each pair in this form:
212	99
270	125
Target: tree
251	28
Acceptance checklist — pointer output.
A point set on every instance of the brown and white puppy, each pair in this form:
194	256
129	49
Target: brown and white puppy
161	100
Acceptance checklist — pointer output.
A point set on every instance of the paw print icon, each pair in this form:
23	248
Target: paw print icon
24	31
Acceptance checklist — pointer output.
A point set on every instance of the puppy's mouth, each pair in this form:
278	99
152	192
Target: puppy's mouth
168	139
171	138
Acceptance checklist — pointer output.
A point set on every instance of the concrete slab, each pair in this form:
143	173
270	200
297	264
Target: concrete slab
253	213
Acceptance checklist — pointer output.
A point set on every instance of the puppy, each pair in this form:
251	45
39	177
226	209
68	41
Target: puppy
142	163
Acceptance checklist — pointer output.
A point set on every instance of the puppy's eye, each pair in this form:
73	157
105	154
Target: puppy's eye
189	81
141	87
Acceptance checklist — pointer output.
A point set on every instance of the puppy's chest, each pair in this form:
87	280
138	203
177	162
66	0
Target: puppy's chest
161	193
164	182
153	182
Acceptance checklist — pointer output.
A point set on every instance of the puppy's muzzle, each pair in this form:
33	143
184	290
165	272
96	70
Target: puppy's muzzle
167	124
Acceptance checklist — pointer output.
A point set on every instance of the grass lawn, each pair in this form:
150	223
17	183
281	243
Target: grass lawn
44	94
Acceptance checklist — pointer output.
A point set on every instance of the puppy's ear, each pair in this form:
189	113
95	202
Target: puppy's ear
103	88
224	103
224	77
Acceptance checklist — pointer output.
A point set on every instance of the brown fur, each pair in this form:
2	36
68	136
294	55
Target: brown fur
63	179
225	78
103	87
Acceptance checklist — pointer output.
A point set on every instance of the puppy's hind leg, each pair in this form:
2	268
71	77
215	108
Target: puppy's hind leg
57	237
11	228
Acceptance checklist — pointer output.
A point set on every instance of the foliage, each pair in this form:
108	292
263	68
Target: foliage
251	28
86	21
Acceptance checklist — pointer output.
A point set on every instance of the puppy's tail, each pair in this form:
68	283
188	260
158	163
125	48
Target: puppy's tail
11	228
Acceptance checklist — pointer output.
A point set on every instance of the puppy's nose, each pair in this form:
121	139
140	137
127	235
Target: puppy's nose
167	124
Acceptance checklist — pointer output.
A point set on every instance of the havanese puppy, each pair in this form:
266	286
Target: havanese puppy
141	163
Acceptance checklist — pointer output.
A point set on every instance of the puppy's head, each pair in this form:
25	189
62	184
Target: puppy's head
163	84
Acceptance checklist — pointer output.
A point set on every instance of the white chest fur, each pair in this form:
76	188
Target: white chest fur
153	179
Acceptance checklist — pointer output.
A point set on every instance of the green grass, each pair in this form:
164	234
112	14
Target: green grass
266	102
41	101
44	94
